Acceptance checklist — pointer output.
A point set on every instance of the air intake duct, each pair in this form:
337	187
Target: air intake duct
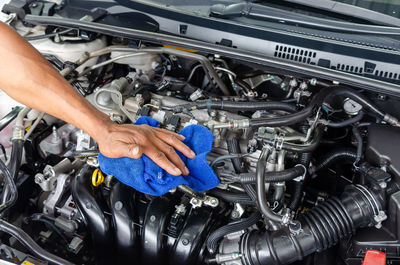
318	229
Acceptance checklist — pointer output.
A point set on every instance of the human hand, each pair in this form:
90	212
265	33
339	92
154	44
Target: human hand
158	144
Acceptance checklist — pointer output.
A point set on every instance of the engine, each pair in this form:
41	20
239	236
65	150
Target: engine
309	172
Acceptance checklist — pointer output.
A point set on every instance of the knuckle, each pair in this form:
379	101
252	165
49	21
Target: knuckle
170	150
173	138
159	156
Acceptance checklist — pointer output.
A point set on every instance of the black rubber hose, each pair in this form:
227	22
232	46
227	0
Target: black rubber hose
260	187
359	140
300	148
246	106
275	176
96	221
234	148
9	117
297	195
15	163
10	186
318	229
30	244
232	197
237	106
304	159
340	154
215	236
348	122
315	103
239	166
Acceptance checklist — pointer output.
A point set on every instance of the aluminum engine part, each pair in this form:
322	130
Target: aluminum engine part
229	250
60	138
47	179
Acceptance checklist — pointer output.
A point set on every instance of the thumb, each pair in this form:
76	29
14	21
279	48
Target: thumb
134	151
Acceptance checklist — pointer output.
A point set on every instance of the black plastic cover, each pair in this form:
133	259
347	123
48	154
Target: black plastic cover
383	147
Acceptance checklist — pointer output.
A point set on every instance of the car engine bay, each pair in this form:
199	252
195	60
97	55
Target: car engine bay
309	169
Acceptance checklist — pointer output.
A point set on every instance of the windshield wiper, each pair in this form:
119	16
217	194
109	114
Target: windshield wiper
262	12
349	10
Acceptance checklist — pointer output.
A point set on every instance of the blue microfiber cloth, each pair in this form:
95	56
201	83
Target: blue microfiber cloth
145	176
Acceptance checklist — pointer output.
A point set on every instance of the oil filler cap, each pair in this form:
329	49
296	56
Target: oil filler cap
374	257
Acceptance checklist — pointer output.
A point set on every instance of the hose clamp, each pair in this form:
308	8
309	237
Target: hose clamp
279	140
379	215
302	177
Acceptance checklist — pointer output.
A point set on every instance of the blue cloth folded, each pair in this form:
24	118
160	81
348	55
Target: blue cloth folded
145	176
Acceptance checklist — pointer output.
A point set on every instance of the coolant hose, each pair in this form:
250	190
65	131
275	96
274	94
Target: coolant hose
260	188
96	222
316	103
340	154
232	197
297	195
242	224
318	229
304	159
245	106
347	122
239	166
299	148
275	176
30	244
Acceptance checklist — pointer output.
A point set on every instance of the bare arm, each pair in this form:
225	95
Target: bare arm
29	78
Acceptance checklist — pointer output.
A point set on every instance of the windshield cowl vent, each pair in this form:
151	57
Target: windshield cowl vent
295	54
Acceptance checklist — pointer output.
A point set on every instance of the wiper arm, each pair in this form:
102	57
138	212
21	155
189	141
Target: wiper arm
262	12
349	10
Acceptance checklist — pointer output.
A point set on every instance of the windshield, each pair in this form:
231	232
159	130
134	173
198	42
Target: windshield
388	7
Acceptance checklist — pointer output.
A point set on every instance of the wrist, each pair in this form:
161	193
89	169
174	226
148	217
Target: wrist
103	127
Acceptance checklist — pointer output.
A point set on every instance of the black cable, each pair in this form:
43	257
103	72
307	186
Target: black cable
10	184
15	163
46	220
215	236
3	150
45	36
30	244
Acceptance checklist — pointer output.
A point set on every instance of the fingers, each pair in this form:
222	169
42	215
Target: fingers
161	160
170	153
179	136
173	141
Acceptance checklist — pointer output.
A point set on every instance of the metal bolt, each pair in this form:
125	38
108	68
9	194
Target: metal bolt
195	201
382	184
118	205
235	214
214	201
185	241
88	205
152	218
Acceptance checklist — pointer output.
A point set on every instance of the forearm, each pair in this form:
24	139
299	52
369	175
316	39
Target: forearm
29	78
